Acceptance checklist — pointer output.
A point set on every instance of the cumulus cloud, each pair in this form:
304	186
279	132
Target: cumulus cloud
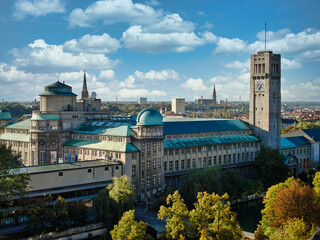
171	23
111	11
194	85
287	64
37	8
136	40
41	56
238	65
93	44
306	91
135	93
107	75
226	45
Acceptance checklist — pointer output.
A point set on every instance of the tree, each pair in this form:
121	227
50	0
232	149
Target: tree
177	217
207	179
269	166
294	229
103	206
213	219
59	216
286	201
12	182
129	229
122	192
296	201
78	212
316	184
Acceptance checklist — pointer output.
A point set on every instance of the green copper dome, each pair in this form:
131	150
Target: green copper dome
5	115
150	117
57	88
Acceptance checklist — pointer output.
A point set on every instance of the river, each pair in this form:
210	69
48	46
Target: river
249	214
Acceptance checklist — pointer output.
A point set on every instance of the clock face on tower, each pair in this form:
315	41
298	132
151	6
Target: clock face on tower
259	85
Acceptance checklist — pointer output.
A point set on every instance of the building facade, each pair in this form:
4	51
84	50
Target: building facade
178	105
265	97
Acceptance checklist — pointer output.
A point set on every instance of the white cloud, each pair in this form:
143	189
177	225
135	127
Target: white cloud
153	3
41	56
202	13
238	65
272	36
309	56
93	44
157	76
135	93
136	40
111	11
170	23
37	8
226	45
194	85
287	64
306	91
106	75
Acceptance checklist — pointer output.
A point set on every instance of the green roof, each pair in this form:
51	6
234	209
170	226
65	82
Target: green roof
149	117
101	145
122	131
58	88
5	115
208	141
194	125
25	124
39	116
15	137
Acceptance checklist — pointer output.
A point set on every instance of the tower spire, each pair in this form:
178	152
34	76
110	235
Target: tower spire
84	92
214	95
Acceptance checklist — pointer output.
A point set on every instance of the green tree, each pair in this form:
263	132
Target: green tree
207	179
269	166
233	183
316	184
129	229
122	192
59	216
294	229
103	206
177	217
78	212
213	219
13	183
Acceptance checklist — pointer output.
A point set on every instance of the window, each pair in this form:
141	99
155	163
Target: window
182	164
159	162
154	181
154	146
133	170
170	165
117	167
176	152
204	149
199	149
188	163
154	163
165	166
148	165
42	158
148	182
219	160
106	168
170	152
148	147
89	170
193	163
159	178
142	149
176	165
60	174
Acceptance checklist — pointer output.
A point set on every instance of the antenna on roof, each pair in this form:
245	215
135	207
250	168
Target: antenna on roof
265	36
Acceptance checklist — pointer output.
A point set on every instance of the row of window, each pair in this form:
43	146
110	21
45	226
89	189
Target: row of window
178	165
296	151
208	134
96	153
147	147
188	150
154	181
60	174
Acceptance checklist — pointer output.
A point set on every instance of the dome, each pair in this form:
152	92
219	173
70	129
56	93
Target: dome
5	115
57	88
150	117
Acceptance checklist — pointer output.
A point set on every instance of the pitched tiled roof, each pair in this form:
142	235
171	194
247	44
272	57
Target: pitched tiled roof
290	142
313	133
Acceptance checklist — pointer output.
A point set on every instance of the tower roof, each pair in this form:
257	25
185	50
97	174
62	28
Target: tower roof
57	88
149	117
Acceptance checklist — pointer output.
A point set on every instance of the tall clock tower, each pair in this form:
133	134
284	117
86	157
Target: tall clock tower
265	97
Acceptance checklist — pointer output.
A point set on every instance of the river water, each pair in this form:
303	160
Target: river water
249	214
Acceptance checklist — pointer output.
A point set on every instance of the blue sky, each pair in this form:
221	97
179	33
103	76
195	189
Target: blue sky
156	49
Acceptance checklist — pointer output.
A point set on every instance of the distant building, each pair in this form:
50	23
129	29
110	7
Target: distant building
208	101
142	100
221	102
178	105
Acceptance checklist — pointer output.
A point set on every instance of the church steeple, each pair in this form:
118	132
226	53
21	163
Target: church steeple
84	92
214	96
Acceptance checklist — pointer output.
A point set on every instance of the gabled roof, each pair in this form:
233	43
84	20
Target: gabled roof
208	141
25	124
103	128
290	142
122	131
191	125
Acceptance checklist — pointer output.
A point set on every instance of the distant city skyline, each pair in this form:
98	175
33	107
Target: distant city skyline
156	49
